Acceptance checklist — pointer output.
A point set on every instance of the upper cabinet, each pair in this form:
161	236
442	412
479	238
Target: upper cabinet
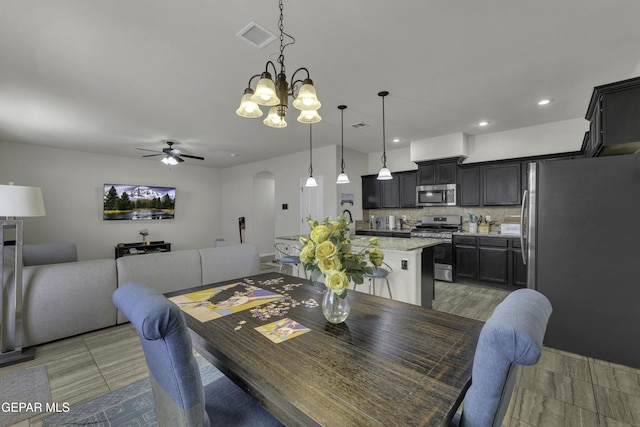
497	184
398	192
441	172
613	115
502	184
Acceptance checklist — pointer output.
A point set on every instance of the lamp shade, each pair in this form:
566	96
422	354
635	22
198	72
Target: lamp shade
265	93
248	108
307	99
21	201
343	179
311	182
274	120
309	116
384	174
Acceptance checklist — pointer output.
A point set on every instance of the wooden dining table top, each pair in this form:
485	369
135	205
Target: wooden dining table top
390	363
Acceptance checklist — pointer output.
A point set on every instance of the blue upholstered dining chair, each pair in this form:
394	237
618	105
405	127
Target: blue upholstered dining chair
512	336
179	396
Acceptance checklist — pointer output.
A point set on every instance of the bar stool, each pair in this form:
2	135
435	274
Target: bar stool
378	273
284	258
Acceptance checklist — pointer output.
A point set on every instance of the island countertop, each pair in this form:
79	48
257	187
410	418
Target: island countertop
385	243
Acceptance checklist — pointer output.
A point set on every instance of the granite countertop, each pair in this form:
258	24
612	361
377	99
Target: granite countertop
404	230
490	234
386	243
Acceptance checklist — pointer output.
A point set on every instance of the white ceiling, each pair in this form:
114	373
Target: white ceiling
107	76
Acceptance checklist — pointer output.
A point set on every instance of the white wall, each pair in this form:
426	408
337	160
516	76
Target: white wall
549	138
72	181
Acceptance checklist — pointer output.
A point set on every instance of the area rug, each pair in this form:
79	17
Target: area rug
131	405
23	395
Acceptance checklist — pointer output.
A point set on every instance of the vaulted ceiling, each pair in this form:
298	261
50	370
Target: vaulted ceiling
112	76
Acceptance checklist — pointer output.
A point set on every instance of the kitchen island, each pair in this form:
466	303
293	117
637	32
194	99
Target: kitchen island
411	260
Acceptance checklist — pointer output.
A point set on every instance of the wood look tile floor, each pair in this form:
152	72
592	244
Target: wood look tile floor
563	389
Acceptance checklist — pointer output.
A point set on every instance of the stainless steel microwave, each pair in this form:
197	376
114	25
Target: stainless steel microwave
436	195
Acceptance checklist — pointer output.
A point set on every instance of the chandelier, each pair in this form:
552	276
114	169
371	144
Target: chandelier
276	93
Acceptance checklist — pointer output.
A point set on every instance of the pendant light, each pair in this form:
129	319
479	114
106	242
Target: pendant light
342	178
311	181
384	173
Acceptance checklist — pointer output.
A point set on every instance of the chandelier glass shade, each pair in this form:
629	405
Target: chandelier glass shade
275	93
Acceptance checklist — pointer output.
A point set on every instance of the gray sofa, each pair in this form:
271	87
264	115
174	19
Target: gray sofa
66	299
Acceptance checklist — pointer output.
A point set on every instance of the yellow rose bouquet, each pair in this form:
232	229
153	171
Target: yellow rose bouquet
327	252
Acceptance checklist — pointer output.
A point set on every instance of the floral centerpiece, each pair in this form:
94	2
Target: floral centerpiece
328	253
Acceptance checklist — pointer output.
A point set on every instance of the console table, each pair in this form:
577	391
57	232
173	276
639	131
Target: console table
127	249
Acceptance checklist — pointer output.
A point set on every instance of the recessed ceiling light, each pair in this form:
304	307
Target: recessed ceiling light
483	123
396	140
543	102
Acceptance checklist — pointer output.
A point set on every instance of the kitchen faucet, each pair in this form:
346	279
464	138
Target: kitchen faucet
350	217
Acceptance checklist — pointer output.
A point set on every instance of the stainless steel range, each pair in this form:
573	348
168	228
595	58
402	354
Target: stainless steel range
442	228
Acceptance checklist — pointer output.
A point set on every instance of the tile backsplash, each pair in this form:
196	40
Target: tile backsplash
497	214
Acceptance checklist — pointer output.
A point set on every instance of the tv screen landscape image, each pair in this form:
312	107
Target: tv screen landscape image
134	202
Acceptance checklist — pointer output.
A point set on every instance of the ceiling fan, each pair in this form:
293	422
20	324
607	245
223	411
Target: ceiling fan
172	156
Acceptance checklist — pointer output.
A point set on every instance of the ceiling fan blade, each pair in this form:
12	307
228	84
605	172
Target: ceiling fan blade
144	149
178	158
152	155
192	157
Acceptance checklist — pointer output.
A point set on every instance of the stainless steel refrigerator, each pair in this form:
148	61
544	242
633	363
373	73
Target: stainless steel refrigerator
582	249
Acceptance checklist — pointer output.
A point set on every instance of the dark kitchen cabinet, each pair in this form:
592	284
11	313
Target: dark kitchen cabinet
371	192
493	260
464	258
398	192
469	188
390	192
442	172
493	184
488	260
501	184
408	183
613	116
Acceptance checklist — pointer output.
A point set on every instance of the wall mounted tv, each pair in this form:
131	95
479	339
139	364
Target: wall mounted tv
133	202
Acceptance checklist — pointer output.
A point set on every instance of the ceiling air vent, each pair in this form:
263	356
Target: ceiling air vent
256	35
359	125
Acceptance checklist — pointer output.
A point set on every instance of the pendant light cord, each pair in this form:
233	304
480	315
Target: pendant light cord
384	145
342	164
310	155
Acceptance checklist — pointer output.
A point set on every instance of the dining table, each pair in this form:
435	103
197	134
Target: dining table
389	364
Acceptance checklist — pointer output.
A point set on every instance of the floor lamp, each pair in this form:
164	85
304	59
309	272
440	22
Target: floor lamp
15	201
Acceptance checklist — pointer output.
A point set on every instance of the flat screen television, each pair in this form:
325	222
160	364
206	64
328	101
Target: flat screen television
138	202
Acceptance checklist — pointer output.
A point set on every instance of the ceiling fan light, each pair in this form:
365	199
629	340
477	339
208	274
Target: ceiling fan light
343	179
384	174
265	93
309	116
307	98
169	161
248	108
311	182
274	120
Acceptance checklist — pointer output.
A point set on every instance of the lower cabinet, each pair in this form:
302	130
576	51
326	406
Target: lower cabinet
488	260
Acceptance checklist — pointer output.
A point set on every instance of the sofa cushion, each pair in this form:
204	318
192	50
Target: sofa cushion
229	262
164	272
64	300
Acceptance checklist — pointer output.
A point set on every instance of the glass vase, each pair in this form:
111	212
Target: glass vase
334	307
